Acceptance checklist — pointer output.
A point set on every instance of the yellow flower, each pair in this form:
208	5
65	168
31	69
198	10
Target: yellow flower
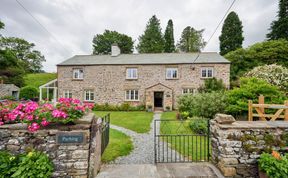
30	154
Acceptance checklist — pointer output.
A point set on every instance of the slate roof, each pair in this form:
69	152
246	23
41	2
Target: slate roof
157	58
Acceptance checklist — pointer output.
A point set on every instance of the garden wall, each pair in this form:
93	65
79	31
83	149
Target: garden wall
72	148
237	145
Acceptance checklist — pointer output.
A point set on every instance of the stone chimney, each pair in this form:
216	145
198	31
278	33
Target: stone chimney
115	50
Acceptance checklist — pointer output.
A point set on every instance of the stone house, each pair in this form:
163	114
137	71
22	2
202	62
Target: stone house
9	90
155	80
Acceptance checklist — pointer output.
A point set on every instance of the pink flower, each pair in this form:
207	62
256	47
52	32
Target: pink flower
29	117
33	127
44	122
1	123
80	108
59	114
76	101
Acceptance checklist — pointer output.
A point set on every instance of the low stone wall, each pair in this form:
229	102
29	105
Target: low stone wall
70	159
236	146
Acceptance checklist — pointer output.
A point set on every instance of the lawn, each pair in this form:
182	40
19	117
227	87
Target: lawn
36	80
119	145
138	121
195	146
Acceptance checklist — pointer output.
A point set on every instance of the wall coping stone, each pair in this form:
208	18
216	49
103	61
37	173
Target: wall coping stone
224	119
252	124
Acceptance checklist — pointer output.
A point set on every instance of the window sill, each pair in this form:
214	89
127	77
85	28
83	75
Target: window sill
172	78
131	79
74	79
88	101
132	100
204	78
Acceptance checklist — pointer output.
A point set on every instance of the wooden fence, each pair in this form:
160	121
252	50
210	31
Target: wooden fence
281	113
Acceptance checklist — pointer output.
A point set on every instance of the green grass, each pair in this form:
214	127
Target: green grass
195	147
119	145
36	80
138	121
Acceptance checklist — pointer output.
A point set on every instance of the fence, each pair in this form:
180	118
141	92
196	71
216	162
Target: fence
105	132
260	109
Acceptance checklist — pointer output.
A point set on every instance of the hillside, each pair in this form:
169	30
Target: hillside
36	80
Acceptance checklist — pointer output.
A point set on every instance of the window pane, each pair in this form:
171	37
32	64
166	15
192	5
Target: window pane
91	96
174	73
70	95
132	94
135	73
184	90
136	95
127	95
209	72
203	72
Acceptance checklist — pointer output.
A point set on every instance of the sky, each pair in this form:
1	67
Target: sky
72	24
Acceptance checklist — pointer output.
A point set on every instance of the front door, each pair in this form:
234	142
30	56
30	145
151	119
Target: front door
158	99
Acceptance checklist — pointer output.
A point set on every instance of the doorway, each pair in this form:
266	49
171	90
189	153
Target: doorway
158	99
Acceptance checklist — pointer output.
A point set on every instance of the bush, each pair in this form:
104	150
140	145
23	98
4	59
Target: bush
28	93
7	98
122	107
202	104
276	75
212	84
199	125
274	165
250	89
31	164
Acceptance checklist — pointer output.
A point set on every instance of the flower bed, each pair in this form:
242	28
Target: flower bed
37	115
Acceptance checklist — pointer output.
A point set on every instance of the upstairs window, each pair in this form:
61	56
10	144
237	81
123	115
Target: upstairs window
207	72
171	73
78	73
88	95
131	73
132	95
67	94
188	90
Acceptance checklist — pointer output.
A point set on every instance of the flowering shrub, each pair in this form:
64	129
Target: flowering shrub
273	74
274	165
35	115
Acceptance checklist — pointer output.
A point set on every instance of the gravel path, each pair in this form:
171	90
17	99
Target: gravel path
143	152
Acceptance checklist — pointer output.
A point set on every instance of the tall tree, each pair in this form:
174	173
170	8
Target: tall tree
102	42
169	45
231	37
279	27
23	50
191	40
152	40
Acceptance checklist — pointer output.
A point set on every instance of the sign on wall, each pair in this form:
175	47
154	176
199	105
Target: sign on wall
70	138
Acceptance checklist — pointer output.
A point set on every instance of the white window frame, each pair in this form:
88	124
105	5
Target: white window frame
77	74
207	69
91	95
67	93
170	73
130	95
189	91
131	73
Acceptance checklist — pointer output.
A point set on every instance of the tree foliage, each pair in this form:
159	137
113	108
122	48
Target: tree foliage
191	40
152	40
273	74
169	46
231	37
267	52
279	27
102	42
28	92
212	84
251	89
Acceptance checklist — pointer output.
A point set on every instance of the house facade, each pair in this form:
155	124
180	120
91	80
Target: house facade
155	80
9	90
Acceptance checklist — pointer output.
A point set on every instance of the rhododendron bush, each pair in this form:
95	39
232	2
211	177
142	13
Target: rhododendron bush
40	115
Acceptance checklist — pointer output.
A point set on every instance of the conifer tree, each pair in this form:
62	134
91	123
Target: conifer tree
152	40
231	37
169	46
191	40
279	27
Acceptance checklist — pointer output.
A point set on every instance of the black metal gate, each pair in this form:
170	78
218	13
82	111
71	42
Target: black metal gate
105	132
174	142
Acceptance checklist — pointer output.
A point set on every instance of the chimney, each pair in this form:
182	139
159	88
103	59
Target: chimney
115	50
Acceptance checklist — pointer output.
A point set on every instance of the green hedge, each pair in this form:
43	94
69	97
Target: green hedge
122	107
28	92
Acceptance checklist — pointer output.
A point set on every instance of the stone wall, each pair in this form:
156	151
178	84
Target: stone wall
70	160
109	81
236	146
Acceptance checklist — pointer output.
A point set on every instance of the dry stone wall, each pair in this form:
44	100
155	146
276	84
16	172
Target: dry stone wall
236	146
70	160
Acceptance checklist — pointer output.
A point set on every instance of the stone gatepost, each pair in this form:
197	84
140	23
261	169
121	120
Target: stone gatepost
236	145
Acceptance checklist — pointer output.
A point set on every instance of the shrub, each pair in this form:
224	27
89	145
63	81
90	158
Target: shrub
202	104
28	93
199	125
184	115
31	164
212	84
273	74
274	165
7	98
122	107
250	89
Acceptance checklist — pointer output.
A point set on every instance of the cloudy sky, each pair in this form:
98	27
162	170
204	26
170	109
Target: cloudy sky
73	23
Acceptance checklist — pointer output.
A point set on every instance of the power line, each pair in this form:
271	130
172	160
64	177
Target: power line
26	10
216	28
